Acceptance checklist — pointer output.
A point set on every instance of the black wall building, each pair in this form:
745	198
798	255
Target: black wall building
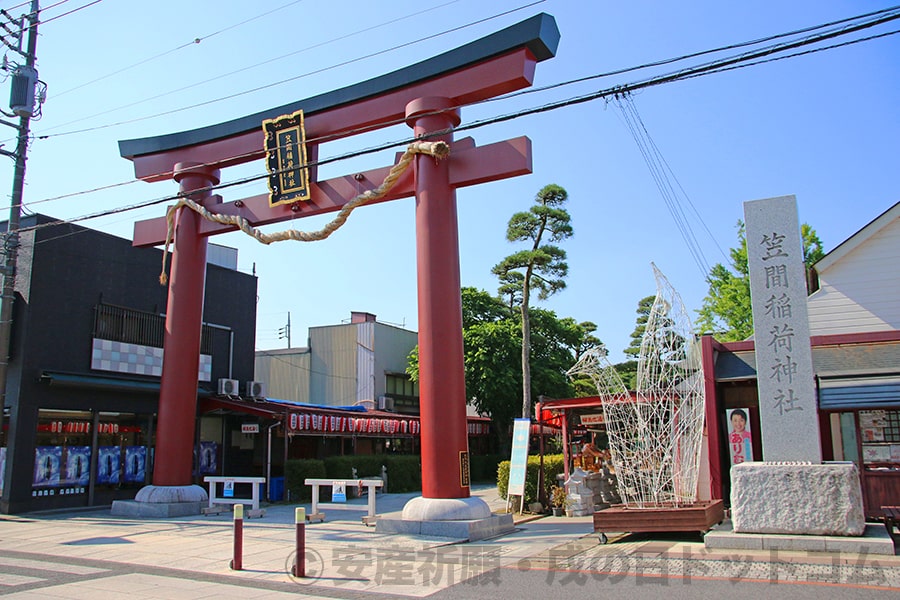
85	363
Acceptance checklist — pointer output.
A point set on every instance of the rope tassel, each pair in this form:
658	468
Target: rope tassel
439	150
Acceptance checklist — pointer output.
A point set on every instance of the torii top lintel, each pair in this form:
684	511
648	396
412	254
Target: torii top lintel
496	64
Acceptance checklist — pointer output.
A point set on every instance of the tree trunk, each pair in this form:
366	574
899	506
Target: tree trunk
526	354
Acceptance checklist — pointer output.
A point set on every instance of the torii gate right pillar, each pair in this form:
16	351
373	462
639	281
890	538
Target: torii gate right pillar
442	388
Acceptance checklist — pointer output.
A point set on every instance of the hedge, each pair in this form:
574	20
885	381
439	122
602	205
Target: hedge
484	467
553	466
296	471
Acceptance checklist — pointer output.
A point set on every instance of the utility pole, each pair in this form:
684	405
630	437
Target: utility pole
22	103
285	332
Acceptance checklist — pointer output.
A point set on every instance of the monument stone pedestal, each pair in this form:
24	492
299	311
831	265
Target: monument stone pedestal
467	519
162	501
798	506
797	498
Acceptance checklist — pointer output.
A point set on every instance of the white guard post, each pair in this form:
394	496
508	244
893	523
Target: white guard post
369	484
216	503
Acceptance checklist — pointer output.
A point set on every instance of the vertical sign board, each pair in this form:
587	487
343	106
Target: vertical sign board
465	471
285	144
228	488
789	422
519	458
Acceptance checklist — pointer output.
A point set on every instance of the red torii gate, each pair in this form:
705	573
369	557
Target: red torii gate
428	96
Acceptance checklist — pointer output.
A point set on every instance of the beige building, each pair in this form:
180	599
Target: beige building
360	363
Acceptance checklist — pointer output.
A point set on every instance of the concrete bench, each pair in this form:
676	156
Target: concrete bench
371	486
217	503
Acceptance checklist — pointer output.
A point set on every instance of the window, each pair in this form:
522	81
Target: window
401	385
880	433
130	326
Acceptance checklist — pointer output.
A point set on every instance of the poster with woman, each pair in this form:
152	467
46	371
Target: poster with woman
739	439
46	465
108	465
135	461
78	465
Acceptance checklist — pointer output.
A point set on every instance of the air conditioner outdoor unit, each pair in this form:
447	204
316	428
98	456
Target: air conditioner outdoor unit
385	403
256	389
229	387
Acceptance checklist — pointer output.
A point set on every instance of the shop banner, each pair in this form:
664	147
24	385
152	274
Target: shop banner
47	461
740	441
2	467
108	465
135	464
78	465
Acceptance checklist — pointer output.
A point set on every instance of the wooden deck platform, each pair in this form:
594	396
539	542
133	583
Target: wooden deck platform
699	517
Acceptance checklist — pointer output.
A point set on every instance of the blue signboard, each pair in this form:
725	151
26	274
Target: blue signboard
78	465
519	458
46	465
108	465
135	464
208	458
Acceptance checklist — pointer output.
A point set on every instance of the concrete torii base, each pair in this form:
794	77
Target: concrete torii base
162	501
467	519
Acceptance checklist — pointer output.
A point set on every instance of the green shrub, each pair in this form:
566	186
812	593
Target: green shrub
503	478
404	472
341	467
296	471
553	466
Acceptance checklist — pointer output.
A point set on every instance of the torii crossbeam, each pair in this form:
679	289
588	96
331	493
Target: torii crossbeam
428	96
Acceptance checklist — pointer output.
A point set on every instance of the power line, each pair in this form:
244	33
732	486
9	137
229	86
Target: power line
661	176
211	79
668	61
273	84
74	10
193	42
728	63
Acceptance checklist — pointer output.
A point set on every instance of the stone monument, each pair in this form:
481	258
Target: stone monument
784	371
792	492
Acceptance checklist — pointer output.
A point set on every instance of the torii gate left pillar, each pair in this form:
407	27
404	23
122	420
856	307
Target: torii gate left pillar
427	96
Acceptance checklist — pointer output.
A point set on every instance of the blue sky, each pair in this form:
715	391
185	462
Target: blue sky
824	127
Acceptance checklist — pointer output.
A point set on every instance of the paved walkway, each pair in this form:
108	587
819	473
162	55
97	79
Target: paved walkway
93	555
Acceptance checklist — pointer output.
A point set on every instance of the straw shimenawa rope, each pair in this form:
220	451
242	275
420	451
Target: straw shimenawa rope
437	149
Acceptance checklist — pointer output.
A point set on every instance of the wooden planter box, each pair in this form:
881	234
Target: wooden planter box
699	517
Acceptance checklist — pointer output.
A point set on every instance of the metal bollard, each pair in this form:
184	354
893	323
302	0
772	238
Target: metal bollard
237	562
300	556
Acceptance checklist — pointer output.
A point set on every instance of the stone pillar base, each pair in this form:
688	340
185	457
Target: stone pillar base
161	501
464	519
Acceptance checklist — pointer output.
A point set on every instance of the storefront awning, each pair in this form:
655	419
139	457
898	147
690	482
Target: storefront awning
100	382
310	419
858	393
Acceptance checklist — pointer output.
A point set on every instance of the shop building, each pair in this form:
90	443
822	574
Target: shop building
86	358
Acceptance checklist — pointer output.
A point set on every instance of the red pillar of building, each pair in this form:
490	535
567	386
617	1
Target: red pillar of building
173	458
442	387
712	409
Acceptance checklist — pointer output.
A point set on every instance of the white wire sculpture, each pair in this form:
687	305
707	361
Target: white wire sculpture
655	435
